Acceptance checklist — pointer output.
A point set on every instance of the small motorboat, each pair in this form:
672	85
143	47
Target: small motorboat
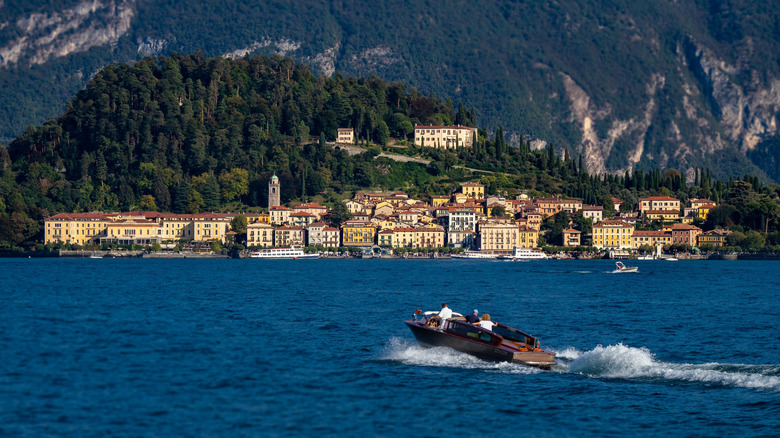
502	344
620	268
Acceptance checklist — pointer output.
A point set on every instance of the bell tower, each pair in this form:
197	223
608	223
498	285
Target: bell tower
274	198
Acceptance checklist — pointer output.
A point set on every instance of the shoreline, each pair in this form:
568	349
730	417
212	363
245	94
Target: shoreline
65	254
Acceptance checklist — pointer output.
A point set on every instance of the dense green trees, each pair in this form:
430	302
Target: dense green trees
190	134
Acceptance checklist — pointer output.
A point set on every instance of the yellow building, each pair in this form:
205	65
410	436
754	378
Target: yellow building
256	217
571	237
662	215
259	234
358	233
498	236
132	232
208	227
714	237
75	228
445	137
345	136
176	227
431	236
529	237
612	234
650	238
473	190
704	210
439	200
279	215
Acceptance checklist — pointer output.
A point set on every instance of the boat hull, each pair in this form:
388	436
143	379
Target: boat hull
492	350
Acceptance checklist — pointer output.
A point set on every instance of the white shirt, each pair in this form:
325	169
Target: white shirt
446	313
487	325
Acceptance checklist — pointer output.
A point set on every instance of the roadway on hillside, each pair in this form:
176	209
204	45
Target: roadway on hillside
354	150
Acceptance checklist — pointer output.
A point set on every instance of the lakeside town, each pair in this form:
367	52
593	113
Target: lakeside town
388	223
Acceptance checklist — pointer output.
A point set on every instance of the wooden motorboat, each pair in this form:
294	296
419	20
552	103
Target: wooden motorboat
502	344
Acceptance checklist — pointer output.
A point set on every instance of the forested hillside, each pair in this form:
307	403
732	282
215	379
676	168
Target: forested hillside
683	84
189	134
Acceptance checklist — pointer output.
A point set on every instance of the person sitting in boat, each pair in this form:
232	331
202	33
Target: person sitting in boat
485	322
473	318
444	314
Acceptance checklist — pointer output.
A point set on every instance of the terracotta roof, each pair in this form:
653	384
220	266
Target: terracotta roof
309	205
571	231
442	127
660	198
661	211
651	234
682	227
279	208
612	223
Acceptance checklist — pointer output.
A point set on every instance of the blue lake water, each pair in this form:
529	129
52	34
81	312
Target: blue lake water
139	347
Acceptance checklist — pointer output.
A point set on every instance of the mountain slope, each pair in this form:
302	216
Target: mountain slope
684	84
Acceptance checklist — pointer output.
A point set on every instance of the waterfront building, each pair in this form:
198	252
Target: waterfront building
528	237
612	234
285	236
358	233
685	234
259	234
75	228
132	232
650	238
714	237
498	236
446	137
429	236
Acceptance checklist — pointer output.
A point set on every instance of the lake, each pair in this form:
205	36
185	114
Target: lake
96	347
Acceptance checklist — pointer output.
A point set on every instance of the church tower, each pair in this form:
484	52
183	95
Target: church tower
274	198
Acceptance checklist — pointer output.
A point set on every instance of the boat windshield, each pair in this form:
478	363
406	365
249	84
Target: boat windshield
514	335
474	332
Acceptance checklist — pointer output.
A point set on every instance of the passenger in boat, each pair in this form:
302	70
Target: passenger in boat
473	318
485	322
444	314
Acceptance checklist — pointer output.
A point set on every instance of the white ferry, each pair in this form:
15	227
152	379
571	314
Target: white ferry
282	253
525	254
475	255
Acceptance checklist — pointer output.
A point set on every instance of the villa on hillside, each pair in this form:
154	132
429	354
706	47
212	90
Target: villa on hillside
444	137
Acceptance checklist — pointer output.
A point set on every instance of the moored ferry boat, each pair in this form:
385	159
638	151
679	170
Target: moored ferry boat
475	255
501	344
525	254
282	253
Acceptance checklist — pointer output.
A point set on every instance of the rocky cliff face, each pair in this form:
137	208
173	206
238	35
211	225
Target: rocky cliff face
57	34
664	95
